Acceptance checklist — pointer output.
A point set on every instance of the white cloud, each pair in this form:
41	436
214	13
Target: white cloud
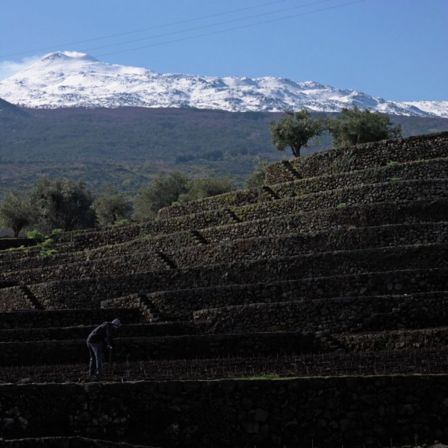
8	68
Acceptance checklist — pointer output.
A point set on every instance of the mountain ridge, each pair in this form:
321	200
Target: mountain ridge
75	79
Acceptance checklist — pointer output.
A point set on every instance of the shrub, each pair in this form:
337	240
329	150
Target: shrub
111	208
163	191
353	126
206	187
16	212
63	204
258	176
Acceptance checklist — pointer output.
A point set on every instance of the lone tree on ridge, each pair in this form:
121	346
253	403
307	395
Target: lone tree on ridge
295	129
353	126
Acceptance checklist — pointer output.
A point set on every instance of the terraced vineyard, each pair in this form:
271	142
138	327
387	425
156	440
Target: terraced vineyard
312	312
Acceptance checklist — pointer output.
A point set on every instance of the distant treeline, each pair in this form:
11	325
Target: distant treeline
67	205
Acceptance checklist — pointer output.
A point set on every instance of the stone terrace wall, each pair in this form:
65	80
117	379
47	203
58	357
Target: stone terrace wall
129	329
392	191
334	315
180	304
14	300
314	221
396	191
12	255
65	442
243	250
361	157
330	220
421	169
64	318
11	243
362	194
263	267
420	339
133	349
320	412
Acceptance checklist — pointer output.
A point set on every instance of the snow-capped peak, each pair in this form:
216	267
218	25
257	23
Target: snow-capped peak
66	56
75	79
310	85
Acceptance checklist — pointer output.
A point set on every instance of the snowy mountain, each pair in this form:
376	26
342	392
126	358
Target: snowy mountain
73	79
439	108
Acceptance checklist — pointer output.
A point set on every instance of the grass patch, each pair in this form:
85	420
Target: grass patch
392	163
266	376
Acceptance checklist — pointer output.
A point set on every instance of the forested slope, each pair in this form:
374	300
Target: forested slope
126	147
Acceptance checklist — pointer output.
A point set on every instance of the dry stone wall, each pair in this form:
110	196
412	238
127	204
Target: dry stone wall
129	329
261	267
313	221
361	194
11	243
181	303
392	191
147	256
435	209
15	300
331	221
371	411
360	157
420	339
350	314
66	442
134	349
63	318
420	169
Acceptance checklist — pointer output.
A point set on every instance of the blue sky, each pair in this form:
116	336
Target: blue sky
396	49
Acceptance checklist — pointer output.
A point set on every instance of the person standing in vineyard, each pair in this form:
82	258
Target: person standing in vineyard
98	341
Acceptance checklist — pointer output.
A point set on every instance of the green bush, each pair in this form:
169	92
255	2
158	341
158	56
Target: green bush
36	235
111	208
162	192
354	126
258	177
206	187
16	212
166	190
62	204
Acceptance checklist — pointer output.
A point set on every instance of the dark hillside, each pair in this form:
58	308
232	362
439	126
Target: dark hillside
133	134
126	147
8	111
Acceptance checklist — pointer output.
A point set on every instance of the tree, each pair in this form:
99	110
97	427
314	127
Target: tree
258	176
161	192
295	129
112	207
63	204
353	126
206	187
16	212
